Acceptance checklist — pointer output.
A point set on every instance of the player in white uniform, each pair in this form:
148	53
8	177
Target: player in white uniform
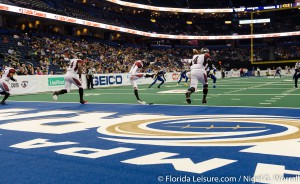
134	75
71	77
4	83
198	73
296	75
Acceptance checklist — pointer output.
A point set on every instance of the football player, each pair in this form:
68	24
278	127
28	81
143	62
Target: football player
160	75
296	75
134	75
183	75
73	76
212	75
198	65
278	72
4	83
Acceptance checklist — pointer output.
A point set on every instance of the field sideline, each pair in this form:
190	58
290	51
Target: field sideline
249	132
248	91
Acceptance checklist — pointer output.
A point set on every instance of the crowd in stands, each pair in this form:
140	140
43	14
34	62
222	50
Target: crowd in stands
46	55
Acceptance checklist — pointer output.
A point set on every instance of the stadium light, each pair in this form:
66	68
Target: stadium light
207	10
254	21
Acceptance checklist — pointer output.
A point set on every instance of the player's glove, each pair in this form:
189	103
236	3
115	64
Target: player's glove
13	79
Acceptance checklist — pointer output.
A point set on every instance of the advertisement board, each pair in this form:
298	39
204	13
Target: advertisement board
32	84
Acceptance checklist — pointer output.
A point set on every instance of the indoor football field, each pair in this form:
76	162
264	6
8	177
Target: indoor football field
248	132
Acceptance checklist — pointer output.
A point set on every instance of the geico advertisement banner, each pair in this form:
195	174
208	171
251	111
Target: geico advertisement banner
101	80
48	83
104	80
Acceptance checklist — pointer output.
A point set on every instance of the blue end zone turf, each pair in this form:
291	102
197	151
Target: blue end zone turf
108	143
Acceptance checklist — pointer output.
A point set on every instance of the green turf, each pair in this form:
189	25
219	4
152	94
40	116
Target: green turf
249	91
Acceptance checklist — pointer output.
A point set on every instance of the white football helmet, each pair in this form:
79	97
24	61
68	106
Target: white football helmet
204	50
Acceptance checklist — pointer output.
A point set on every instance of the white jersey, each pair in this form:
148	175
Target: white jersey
199	62
297	66
134	75
7	71
278	69
135	68
73	66
4	80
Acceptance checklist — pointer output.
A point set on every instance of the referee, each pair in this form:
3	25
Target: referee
90	76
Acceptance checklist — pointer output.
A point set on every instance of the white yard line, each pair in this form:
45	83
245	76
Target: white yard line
93	94
195	105
279	97
194	94
251	87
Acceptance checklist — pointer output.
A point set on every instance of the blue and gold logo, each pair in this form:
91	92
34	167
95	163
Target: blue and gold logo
205	130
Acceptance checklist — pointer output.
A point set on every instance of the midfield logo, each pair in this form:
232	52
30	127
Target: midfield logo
251	133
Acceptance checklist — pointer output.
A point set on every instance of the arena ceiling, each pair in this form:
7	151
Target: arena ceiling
209	4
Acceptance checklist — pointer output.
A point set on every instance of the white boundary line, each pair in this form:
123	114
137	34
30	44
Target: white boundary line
162	105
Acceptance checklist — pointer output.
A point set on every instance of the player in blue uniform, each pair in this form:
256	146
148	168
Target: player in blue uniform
160	75
183	75
278	72
296	74
212	75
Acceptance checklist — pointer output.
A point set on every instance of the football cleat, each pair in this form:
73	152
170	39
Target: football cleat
54	96
141	102
204	101
3	103
188	97
83	102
